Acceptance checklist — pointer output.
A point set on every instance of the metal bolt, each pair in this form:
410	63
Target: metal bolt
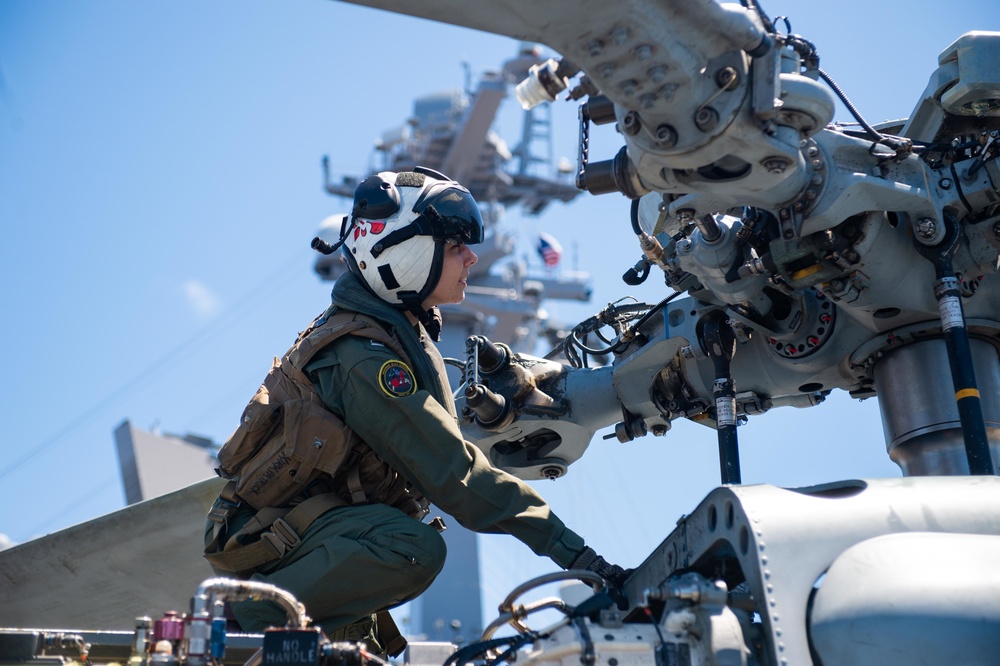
726	78
666	136
551	472
817	165
775	164
812	151
683	246
668	90
607	69
594	47
620	35
657	74
817	179
926	228
628	87
706	119
631	123
643	52
648	100
945	183
685	215
318	443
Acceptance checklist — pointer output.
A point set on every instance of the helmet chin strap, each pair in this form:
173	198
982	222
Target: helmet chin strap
430	319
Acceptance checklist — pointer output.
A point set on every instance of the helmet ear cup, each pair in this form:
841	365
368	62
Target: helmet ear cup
376	197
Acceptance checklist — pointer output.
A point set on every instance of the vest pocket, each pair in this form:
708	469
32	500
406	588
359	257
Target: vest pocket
258	423
311	441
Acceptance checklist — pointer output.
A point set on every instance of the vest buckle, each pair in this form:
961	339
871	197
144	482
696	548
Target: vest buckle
281	537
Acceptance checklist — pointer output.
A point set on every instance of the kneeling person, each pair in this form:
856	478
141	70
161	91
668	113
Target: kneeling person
335	516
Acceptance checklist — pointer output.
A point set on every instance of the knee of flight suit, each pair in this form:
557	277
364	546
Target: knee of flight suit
351	562
405	553
427	553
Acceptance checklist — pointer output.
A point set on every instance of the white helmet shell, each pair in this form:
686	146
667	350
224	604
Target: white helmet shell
396	234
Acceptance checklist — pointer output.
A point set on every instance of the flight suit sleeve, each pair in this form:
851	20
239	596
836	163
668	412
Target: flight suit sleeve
419	438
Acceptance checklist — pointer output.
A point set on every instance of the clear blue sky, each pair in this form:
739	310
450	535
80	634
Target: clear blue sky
160	182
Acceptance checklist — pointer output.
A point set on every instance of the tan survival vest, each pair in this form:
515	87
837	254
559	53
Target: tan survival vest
292	459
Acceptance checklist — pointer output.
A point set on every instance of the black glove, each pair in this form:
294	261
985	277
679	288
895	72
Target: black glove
589	560
615	576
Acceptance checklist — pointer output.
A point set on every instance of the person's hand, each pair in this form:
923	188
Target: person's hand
614	575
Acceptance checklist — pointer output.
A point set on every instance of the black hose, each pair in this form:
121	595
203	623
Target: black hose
606	317
602	338
765	21
470	652
656	308
897	144
634	217
872	132
590	350
807	50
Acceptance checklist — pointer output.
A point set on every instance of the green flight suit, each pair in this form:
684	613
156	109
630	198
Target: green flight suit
356	560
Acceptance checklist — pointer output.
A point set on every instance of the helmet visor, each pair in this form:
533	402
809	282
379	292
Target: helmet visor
450	214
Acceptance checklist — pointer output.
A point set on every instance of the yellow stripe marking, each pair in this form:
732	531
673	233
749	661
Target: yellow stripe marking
806	272
967	393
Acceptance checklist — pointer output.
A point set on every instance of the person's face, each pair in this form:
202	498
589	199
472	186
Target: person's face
458	258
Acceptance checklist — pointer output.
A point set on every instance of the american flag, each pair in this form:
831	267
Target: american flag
549	249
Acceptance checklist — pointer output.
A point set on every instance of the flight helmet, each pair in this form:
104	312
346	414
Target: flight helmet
394	238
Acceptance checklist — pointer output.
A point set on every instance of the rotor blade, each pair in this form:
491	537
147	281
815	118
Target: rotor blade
522	19
143	559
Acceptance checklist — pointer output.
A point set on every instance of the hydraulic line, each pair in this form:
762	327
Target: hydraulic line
963	376
947	291
720	343
242	590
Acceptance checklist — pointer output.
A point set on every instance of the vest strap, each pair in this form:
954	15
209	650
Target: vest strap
388	634
280	530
